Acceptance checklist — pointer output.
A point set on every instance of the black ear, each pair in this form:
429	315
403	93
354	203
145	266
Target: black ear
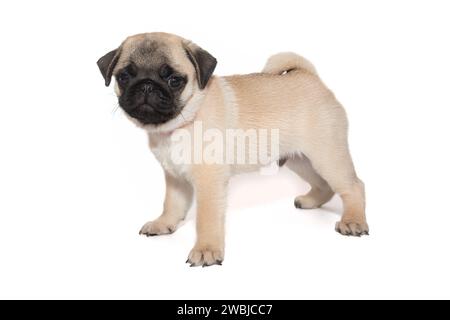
203	62
107	63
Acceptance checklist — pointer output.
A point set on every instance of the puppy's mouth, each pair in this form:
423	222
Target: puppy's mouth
147	114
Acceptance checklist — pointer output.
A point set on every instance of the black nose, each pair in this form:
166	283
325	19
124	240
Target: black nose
147	88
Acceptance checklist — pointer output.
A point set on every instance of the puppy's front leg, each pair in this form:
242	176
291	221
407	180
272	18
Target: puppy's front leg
210	183
179	193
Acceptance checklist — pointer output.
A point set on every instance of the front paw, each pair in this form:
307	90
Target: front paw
205	256
350	228
157	227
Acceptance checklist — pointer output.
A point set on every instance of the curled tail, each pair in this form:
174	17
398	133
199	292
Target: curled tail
287	61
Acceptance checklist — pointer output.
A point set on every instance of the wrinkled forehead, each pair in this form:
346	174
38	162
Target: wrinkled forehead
150	53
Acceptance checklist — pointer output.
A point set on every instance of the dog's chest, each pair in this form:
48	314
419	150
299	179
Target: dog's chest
163	148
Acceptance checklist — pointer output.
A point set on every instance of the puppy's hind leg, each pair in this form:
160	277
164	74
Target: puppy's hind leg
336	167
320	192
179	194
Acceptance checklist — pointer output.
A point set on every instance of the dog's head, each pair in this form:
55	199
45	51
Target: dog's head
156	74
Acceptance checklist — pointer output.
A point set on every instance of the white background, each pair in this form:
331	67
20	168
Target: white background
77	180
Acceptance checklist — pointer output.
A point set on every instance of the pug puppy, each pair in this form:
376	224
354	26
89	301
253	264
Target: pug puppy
165	84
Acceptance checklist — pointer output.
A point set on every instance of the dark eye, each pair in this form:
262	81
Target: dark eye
123	77
175	82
